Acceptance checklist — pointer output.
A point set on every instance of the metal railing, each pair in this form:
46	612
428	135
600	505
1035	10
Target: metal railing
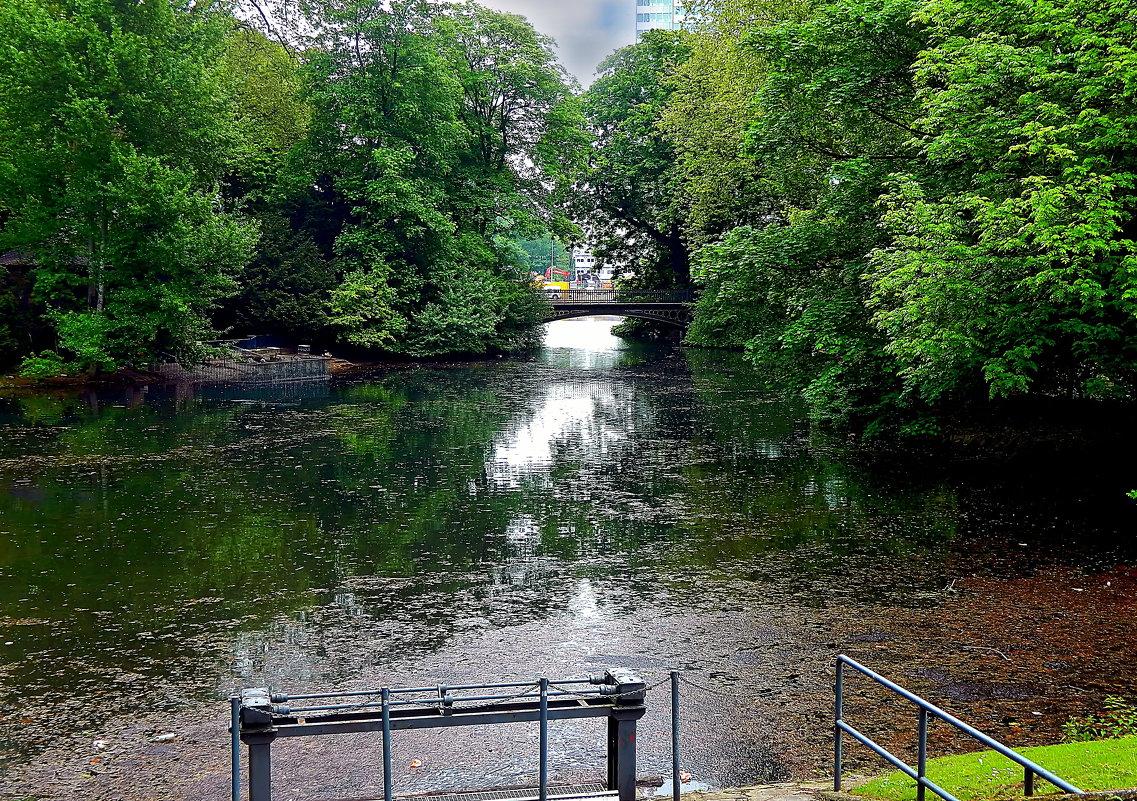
925	715
620	296
260	716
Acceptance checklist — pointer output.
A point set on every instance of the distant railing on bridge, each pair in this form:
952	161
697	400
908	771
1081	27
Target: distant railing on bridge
591	297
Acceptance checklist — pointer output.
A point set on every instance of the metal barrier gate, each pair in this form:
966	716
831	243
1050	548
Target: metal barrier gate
259	717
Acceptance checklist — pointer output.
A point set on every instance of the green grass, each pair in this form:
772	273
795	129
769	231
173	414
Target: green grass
1098	765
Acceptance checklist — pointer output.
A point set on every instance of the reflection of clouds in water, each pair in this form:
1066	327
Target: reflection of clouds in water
585	333
584	605
582	343
568	407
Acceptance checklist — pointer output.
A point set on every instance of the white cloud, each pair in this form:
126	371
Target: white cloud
586	30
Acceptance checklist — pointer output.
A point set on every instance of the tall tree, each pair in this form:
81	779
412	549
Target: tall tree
709	115
429	120
116	127
1013	265
284	289
833	117
516	101
630	198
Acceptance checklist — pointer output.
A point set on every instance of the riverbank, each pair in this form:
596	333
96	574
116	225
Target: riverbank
1003	656
654	510
337	368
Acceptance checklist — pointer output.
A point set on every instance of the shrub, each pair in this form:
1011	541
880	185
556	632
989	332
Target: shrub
1118	720
45	364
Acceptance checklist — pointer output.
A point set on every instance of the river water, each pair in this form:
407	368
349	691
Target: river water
600	504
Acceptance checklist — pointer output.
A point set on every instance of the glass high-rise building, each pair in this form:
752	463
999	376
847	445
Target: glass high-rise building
652	14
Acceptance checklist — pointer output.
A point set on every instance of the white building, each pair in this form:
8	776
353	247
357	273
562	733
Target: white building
653	14
583	265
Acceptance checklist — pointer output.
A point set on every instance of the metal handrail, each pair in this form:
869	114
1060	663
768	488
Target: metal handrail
926	709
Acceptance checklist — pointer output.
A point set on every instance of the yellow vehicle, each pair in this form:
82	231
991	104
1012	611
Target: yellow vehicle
554	289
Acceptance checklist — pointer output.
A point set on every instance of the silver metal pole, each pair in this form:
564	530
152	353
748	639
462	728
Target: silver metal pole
235	757
388	785
922	756
544	772
675	781
838	706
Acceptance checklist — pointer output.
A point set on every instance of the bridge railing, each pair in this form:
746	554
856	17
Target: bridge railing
617	296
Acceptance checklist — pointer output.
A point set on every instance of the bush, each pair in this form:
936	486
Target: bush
1118	720
46	364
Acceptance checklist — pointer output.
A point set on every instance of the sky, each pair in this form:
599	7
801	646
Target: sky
586	30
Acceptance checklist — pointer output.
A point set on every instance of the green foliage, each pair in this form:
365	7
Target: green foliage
629	198
168	168
1118	720
285	289
363	308
1011	265
535	254
426	145
709	116
46	364
789	289
268	88
116	127
910	205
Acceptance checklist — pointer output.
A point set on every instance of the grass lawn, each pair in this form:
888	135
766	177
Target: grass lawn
1098	765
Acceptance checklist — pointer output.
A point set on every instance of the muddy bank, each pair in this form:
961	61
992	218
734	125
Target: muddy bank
1015	658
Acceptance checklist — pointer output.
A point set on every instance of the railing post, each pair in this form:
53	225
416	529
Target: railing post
629	691
235	744
675	735
544	771
256	726
388	784
838	711
260	767
922	755
1028	781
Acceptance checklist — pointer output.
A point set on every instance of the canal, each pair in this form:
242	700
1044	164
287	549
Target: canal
598	504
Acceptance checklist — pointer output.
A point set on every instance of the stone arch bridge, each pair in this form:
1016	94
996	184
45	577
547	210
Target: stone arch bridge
670	306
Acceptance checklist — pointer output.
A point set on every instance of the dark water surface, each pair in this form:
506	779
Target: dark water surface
604	504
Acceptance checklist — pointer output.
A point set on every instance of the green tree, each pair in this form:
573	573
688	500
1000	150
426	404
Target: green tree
630	197
285	289
834	119
427	119
515	98
708	116
1012	264
536	254
116	128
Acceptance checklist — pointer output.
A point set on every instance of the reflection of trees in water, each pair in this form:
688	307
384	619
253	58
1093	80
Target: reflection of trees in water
277	535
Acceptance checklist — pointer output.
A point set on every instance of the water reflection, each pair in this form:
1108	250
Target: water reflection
604	503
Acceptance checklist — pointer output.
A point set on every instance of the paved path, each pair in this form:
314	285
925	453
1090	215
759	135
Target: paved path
787	791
